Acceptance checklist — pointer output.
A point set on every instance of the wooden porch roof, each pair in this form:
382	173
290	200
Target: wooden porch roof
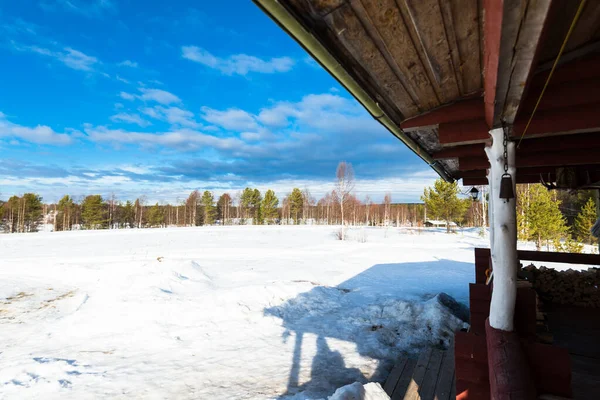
445	72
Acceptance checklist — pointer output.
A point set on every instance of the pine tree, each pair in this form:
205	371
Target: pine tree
257	212
93	213
208	203
545	222
296	204
32	212
65	213
442	202
246	201
156	216
269	206
128	214
584	221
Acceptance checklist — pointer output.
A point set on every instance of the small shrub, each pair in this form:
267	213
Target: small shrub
339	234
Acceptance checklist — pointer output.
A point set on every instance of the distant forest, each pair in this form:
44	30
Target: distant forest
555	219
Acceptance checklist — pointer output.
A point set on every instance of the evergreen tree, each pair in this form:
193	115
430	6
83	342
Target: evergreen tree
544	220
208	203
128	214
442	202
156	216
28	210
256	211
246	201
296	203
269	206
584	221
65	213
93	212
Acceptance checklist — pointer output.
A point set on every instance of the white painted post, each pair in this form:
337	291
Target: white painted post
503	235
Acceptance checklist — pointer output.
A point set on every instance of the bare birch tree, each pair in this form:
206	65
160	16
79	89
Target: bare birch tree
343	187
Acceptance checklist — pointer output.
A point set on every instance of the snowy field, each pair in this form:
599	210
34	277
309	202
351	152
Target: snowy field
222	312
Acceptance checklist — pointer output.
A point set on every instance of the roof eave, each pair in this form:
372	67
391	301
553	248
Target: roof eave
278	13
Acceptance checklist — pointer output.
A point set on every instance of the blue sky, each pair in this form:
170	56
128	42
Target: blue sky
159	98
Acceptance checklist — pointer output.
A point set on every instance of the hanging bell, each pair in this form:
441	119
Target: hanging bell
506	187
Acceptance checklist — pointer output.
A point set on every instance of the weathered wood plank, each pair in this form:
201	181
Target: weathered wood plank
453	389
351	33
427	389
448	20
445	378
418	375
525	54
383	20
425	24
465	15
404	381
394	376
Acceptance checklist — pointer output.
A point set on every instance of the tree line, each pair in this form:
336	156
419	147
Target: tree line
338	207
551	218
248	207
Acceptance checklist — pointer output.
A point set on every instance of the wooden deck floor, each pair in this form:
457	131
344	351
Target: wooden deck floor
578	330
429	377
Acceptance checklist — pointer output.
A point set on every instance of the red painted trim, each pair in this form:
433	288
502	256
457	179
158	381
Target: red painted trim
584	68
492	32
575	118
575	93
462	110
469	150
474	130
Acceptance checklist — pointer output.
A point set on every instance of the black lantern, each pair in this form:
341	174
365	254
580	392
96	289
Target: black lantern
474	193
506	187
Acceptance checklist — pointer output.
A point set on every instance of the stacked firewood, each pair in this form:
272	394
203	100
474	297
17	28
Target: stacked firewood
577	288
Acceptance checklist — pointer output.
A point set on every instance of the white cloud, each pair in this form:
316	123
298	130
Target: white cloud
78	60
182	139
122	79
40	134
158	95
233	118
127	96
152	95
68	56
240	64
128	63
129	119
173	115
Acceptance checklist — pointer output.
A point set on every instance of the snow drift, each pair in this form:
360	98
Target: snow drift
223	312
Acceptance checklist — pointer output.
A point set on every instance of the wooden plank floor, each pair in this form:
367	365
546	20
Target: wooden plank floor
430	377
578	329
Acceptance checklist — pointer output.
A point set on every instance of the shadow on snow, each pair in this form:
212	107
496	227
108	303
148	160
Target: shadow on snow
388	310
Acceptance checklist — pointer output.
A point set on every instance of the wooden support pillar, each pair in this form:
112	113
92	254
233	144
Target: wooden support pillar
509	374
503	227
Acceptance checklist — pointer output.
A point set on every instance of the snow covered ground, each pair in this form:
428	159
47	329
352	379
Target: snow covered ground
222	312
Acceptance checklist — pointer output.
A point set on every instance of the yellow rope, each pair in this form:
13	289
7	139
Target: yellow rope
562	49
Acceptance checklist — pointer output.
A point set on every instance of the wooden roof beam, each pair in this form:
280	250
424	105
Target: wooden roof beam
513	32
550	143
568	120
521	68
574	119
557	159
459	111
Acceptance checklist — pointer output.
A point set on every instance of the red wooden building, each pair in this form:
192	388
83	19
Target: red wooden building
477	89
